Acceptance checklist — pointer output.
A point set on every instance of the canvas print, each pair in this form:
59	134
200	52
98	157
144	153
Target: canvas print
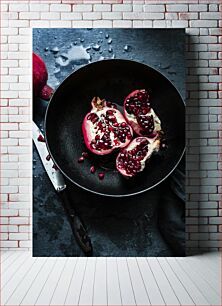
109	142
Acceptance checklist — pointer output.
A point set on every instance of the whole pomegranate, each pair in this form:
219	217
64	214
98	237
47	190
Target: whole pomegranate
40	77
132	159
140	115
105	129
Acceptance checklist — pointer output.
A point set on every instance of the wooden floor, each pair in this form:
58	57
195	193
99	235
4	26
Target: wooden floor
110	281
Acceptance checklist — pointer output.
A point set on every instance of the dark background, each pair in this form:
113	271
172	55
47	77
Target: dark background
117	227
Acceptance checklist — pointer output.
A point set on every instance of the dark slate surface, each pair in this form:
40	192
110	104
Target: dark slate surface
118	227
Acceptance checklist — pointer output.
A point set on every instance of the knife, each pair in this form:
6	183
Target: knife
57	180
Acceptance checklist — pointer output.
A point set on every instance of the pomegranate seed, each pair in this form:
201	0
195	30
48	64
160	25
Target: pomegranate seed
81	159
48	157
85	154
93	169
41	138
55	167
101	175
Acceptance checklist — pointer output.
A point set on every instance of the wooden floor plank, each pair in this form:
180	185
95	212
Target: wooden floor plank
17	278
38	284
181	293
210	259
62	288
4	255
10	261
166	289
17	296
126	289
86	294
190	286
74	289
212	278
152	288
208	292
100	283
113	285
46	294
139	289
13	269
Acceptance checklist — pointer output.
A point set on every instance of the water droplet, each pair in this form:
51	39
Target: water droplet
55	50
126	48
101	51
62	61
75	43
56	70
100	32
96	47
107	36
46	49
110	49
113	56
101	58
82	39
88	48
109	40
55	37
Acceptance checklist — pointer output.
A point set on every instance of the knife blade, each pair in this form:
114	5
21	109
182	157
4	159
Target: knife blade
58	182
55	175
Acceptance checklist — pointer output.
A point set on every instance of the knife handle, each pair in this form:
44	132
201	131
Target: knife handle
77	226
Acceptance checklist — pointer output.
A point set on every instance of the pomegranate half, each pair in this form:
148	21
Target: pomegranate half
105	129
132	159
140	115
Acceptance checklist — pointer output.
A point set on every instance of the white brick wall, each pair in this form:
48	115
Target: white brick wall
203	54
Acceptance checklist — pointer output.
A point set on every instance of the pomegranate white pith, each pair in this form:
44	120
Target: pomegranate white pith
105	129
132	159
140	115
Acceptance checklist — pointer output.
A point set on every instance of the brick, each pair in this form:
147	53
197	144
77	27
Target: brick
137	7
29	15
102	7
102	23
9	212
82	23
18	236
60	7
8	244
198	7
154	8
121	7
203	23
18	7
122	23
209	15
51	16
37	7
135	15
199	236
82	7
180	23
112	15
18	220
177	8
93	15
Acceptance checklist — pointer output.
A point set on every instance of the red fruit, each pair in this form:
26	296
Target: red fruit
93	169
101	175
81	159
40	77
133	158
41	138
140	115
105	129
